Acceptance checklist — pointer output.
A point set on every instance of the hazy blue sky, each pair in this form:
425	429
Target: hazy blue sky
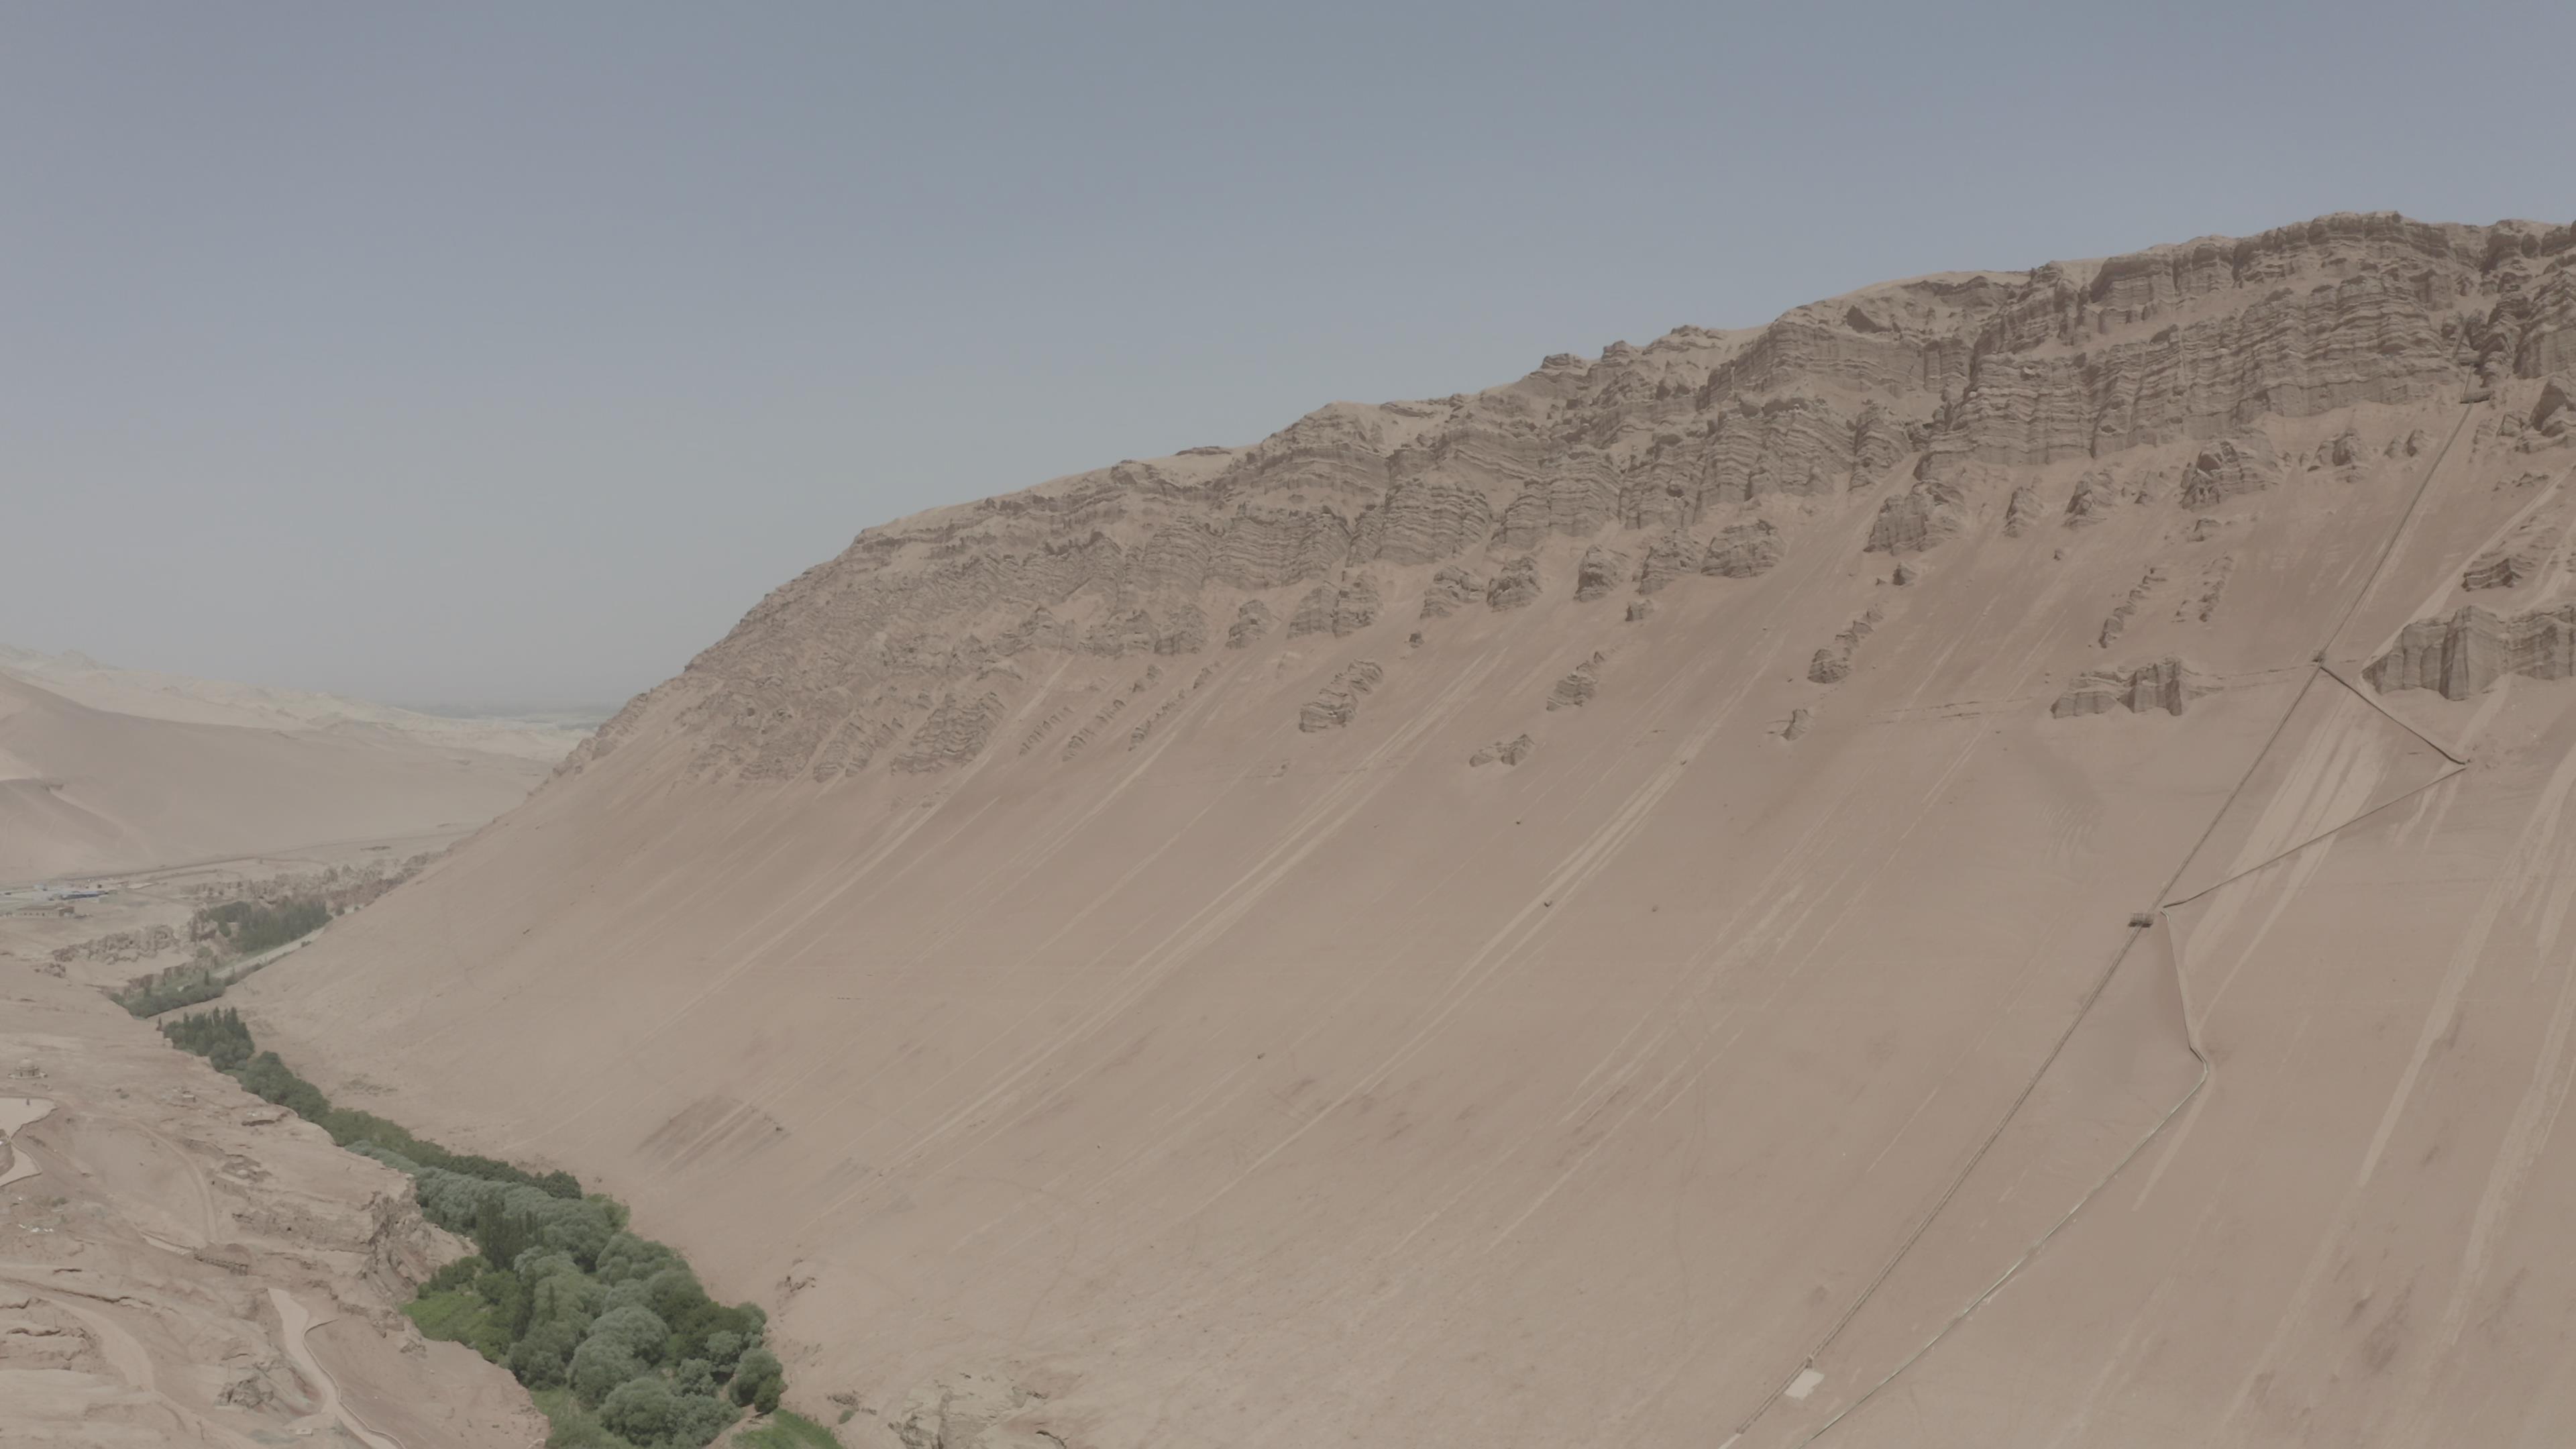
508	353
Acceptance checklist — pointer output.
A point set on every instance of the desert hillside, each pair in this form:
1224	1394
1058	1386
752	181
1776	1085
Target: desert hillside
190	1265
89	788
1983	863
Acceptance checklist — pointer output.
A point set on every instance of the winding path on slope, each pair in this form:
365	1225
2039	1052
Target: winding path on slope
17	1114
295	1321
126	1356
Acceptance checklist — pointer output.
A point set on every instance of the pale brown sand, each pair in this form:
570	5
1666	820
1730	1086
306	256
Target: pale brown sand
86	791
165	1239
1142	1041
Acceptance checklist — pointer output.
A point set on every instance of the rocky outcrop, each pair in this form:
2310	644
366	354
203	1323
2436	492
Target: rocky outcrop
2228	469
1252	620
2502	568
2521	556
1337	609
1602	570
1354	606
2118	623
2372	335
2021	511
1579	498
1833	665
955	732
1101	720
1423	521
1450	590
1040	631
1037	734
2164	684
1185	631
1314	612
2202	603
2553	414
1797	445
2467	651
1335	705
2095	495
1671	556
1576	689
1515	587
1118	635
1964	379
1171	706
1915	520
1742	550
858	740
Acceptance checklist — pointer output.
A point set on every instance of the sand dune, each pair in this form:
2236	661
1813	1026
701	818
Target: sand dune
184	698
1898	877
89	791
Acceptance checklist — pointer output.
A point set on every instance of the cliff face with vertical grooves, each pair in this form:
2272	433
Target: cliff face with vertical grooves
1600	911
1939	387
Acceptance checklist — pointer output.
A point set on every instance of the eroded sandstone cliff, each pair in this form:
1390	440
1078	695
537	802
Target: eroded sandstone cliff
2159	369
1618	909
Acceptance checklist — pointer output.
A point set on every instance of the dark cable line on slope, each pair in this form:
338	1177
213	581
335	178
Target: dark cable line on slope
2318	666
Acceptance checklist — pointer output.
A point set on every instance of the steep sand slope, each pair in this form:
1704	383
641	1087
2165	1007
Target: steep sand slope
86	791
1061	954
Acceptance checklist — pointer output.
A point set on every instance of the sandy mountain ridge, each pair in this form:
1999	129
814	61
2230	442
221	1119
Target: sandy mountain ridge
1979	864
105	770
1963	376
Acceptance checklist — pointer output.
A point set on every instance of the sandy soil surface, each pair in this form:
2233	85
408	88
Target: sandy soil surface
1903	877
166	1240
106	930
86	791
190	700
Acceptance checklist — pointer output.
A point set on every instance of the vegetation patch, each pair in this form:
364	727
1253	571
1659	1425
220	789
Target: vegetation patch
169	990
227	936
612	1333
787	1429
246	928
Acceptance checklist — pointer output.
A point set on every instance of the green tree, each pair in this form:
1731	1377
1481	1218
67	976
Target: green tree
758	1379
639	1409
542	1358
694	1376
601	1364
697	1419
636	1326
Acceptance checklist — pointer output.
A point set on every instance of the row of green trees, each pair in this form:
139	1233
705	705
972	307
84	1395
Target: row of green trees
249	927
220	1037
612	1332
243	928
169	990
